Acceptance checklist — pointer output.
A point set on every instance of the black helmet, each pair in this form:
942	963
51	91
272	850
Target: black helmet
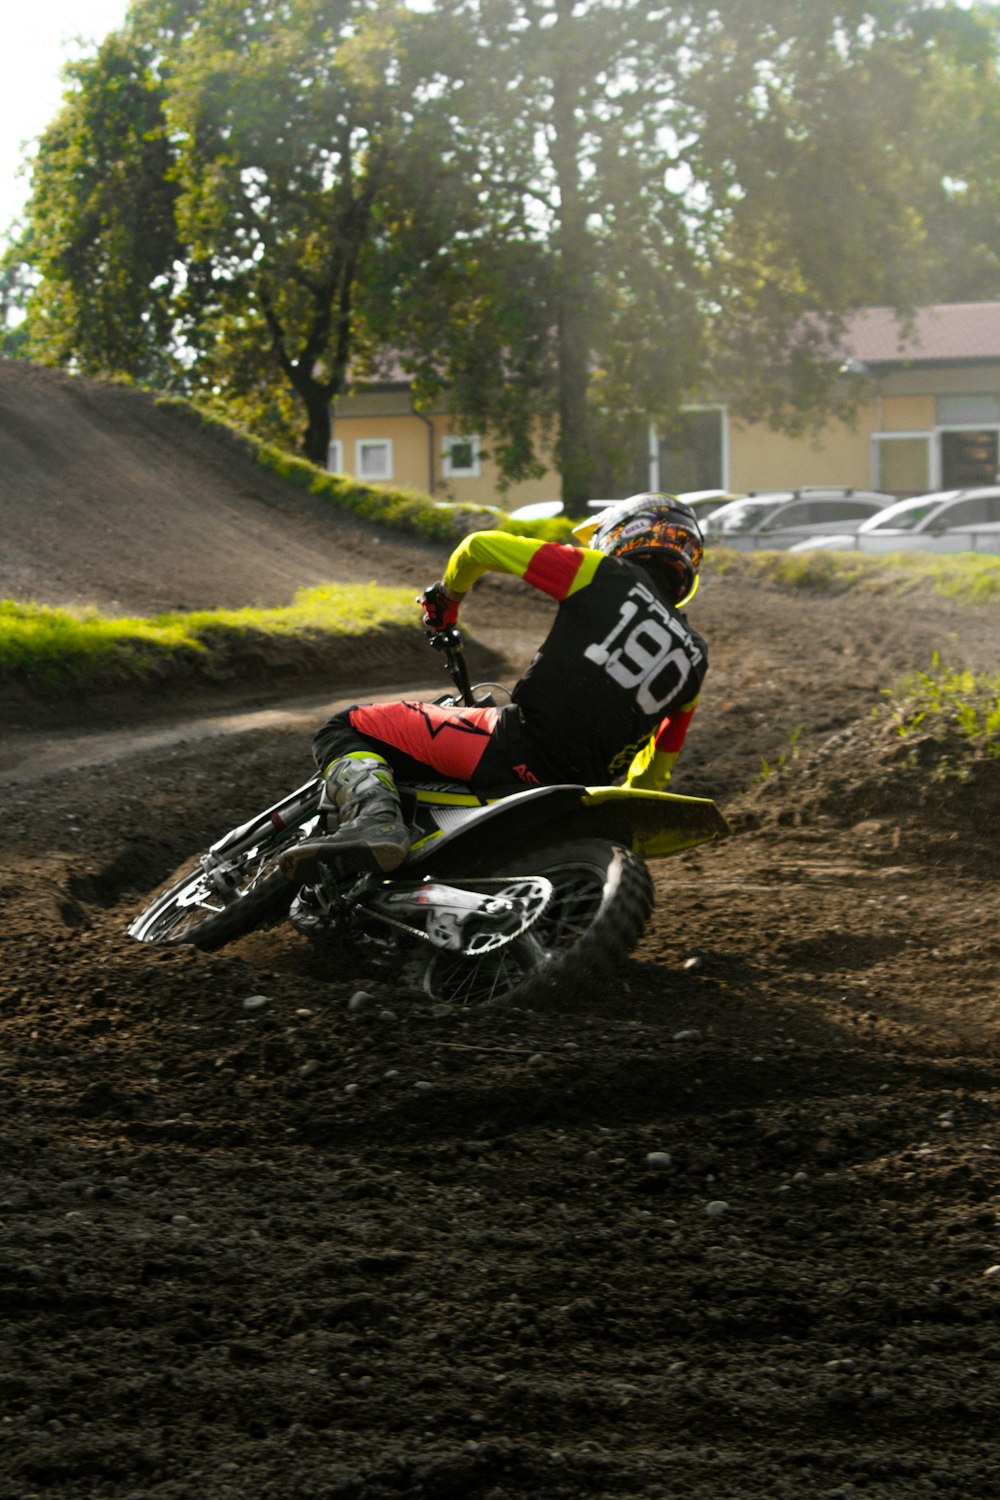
650	528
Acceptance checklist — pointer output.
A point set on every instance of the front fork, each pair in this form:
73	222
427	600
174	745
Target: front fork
282	817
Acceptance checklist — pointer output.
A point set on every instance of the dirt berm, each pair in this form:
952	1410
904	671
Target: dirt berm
261	1242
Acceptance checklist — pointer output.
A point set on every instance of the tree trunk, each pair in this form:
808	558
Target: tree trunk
574	270
319	424
573	448
314	394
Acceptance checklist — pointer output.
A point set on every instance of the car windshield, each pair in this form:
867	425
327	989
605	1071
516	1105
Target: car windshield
904	515
741	515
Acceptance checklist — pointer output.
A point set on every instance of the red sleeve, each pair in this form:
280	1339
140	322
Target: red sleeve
553	569
670	736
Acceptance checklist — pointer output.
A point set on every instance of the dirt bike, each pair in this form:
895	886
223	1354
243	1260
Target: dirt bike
512	895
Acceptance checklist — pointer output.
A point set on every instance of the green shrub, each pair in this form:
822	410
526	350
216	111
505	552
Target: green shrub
966	577
945	701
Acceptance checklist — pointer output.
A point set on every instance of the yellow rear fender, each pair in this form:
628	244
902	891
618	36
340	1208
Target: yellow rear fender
464	831
654	824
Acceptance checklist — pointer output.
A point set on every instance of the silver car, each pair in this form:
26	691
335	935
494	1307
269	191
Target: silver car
702	502
943	521
783	517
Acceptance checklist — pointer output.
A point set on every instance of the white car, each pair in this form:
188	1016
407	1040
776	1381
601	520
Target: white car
702	502
943	521
783	517
705	502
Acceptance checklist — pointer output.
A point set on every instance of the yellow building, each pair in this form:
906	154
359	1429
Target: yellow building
931	421
379	438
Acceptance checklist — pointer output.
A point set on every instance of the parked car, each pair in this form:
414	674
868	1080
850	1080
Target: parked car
705	503
784	517
942	521
702	502
537	510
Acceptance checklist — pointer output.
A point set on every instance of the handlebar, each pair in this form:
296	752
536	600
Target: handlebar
450	642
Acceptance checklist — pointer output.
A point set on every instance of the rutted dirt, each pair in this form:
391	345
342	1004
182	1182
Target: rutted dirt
260	1241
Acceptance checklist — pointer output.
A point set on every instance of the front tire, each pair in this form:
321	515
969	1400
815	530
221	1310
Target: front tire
602	901
190	908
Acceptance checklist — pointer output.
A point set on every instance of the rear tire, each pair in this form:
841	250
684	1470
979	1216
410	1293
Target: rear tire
602	901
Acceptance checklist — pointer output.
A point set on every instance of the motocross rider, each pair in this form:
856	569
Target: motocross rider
608	696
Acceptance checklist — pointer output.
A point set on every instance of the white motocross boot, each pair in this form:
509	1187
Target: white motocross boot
370	833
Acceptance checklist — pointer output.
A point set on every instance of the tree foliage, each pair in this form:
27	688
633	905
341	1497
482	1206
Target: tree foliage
275	126
102	238
957	136
573	293
815	142
714	187
284	117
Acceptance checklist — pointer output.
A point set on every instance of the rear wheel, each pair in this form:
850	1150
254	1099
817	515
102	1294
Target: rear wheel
602	900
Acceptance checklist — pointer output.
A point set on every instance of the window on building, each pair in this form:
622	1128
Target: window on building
968	459
692	454
373	458
902	462
335	456
968	411
461	458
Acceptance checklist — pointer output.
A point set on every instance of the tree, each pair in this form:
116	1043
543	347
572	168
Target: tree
959	140
813	139
101	244
283	117
568	215
709	190
13	294
274	128
561	312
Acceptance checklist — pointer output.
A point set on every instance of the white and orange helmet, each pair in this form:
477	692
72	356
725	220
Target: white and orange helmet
650	527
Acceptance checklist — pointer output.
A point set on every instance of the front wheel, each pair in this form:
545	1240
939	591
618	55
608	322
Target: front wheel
210	907
603	897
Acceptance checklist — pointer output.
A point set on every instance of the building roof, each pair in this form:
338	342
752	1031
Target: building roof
949	331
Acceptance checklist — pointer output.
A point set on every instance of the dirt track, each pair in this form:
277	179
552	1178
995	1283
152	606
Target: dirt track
299	1249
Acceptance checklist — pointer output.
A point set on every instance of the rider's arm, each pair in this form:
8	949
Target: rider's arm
557	570
654	763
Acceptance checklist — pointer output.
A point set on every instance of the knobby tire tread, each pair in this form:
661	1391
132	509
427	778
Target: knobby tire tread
597	956
593	959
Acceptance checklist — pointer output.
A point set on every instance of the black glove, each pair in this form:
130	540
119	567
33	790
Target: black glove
440	610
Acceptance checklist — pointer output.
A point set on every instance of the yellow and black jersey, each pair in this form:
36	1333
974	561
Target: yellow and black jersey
611	691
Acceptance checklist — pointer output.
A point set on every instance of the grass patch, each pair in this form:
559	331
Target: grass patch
50	647
965	577
786	757
945	702
406	510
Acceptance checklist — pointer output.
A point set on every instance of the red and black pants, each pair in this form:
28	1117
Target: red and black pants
482	747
